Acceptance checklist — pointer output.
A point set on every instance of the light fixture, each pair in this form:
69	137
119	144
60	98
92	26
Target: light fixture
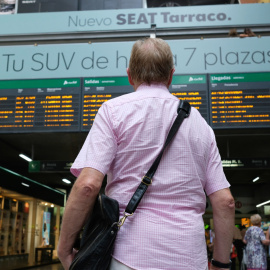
52	205
258	205
66	181
24	184
256	179
25	157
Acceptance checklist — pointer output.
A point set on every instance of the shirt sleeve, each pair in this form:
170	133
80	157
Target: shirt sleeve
262	235
100	146
216	179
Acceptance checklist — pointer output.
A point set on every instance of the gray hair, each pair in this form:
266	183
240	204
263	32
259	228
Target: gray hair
255	219
151	60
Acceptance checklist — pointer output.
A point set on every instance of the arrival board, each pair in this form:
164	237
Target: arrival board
48	105
240	100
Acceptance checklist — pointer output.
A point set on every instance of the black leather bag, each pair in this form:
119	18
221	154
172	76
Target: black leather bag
98	236
100	231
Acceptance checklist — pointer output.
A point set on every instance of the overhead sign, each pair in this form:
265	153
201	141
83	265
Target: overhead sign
40	105
246	163
194	89
240	100
220	55
49	166
225	100
134	19
97	90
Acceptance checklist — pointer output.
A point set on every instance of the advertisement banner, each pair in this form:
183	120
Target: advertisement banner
136	19
219	55
46	228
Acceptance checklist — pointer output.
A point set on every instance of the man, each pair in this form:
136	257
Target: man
167	230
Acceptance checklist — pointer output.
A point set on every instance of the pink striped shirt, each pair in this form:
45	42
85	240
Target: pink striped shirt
167	229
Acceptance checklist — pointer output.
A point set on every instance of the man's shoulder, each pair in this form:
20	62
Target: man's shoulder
120	100
196	116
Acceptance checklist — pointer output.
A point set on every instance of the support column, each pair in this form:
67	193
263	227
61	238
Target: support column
57	227
31	257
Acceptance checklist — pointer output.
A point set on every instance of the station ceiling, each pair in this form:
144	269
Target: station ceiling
244	143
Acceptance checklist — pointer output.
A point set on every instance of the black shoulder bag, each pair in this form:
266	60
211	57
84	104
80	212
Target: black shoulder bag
100	231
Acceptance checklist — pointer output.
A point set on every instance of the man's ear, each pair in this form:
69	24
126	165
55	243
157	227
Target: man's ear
171	76
129	77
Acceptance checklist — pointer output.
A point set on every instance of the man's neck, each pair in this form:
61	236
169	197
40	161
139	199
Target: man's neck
136	85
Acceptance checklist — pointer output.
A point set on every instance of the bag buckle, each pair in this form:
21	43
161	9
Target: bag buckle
149	183
122	220
185	106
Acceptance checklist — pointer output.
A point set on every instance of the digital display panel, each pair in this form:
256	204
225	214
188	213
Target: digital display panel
194	89
240	100
40	105
98	90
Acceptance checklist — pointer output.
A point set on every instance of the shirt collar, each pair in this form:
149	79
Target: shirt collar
153	86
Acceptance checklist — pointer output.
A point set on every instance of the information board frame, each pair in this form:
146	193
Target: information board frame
40	105
94	92
239	86
118	85
193	84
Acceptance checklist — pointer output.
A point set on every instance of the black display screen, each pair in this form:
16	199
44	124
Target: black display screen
99	90
40	105
194	89
59	105
240	100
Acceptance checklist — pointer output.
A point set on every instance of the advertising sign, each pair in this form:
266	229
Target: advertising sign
46	227
194	56
135	19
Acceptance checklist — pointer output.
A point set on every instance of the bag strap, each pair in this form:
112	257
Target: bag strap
183	112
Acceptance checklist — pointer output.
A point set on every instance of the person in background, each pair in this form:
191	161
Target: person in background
233	33
233	257
268	238
247	33
255	239
243	230
238	244
209	237
167	230
267	235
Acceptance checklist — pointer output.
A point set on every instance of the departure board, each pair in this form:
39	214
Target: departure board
194	89
240	100
47	105
98	90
